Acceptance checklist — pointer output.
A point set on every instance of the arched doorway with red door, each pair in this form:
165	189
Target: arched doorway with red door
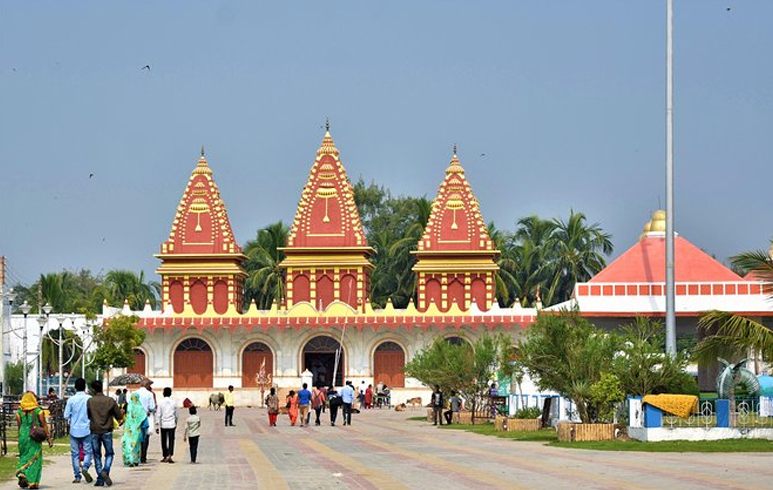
139	363
389	364
318	356
193	364
255	356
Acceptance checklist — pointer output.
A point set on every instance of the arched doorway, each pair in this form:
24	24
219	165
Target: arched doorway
253	357
193	364
139	363
388	365
319	357
456	340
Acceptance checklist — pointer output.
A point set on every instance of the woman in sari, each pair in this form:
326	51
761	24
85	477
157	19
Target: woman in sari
133	431
292	407
30	466
369	397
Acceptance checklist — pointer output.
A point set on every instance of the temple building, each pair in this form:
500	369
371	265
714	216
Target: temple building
204	339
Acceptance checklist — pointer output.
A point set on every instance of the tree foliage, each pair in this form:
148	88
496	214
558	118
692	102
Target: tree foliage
265	278
115	342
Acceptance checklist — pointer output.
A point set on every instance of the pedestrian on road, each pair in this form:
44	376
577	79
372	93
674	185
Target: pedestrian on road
228	401
272	403
167	422
29	416
369	397
317	402
192	432
102	410
148	402
292	406
304	403
455	408
334	400
133	431
437	406
361	395
347	396
77	415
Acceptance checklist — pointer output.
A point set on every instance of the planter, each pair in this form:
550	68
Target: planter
568	432
501	423
523	425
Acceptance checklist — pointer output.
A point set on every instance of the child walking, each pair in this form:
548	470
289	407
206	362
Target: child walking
192	432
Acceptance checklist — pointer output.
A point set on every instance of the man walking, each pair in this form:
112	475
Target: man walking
102	410
148	402
77	415
335	401
229	406
167	422
304	403
437	406
347	396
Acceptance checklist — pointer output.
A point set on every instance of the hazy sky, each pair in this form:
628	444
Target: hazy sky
565	98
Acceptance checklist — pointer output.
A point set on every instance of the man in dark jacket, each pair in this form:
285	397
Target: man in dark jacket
437	406
102	410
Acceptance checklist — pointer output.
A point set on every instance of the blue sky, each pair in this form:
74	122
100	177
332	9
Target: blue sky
565	98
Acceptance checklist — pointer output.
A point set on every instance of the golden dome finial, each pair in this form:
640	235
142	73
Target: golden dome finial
328	146
202	167
657	225
454	167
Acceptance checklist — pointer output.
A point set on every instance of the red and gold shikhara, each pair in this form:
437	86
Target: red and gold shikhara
455	268
201	263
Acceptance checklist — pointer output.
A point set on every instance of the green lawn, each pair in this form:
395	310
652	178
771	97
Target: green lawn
8	462
550	437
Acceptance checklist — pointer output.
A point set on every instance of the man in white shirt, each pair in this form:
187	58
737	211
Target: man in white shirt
166	415
148	401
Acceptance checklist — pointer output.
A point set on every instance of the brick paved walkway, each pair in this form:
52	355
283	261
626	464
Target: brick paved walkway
383	450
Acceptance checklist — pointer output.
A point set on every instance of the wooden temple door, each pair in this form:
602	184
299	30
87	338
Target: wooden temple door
388	365
193	364
252	358
139	363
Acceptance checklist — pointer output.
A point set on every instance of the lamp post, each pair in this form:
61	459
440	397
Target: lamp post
60	318
47	308
25	310
41	323
11	295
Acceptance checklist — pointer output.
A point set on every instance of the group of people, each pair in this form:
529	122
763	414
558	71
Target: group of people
439	405
300	404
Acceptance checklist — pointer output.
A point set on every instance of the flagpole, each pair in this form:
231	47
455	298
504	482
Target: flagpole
670	296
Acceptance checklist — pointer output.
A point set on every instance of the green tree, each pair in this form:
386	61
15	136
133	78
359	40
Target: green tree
115	343
265	278
642	366
565	353
730	335
14	376
605	394
123	285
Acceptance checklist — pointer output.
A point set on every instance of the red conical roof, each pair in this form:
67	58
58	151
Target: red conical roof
327	215
201	225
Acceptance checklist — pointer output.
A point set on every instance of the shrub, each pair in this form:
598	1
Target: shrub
528	413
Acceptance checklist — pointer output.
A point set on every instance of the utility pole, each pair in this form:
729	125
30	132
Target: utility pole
670	276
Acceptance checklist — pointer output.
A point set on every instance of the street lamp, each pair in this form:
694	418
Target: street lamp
47	308
42	320
60	318
11	295
25	309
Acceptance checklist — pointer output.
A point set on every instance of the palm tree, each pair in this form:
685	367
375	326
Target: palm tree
123	285
265	278
735	335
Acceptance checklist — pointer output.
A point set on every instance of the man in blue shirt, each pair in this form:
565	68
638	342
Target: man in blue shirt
77	415
347	396
304	403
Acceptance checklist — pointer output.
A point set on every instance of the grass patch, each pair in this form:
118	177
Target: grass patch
722	446
542	435
9	461
418	419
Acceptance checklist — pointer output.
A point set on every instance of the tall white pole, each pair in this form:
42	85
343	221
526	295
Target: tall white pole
670	299
24	361
61	391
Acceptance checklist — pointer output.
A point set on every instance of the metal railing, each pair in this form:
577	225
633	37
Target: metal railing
749	413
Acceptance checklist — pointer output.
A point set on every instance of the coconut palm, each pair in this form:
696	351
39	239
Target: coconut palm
123	285
265	278
734	335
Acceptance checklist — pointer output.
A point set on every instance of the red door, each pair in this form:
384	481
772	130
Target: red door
388	365
252	358
193	364
139	363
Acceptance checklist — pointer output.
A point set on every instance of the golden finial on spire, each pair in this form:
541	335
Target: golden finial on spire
328	146
202	167
454	167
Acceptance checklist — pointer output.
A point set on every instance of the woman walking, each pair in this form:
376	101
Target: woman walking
33	430
133	431
292	407
369	397
317	402
272	403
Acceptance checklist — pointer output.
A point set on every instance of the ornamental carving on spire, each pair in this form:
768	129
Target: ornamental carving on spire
327	215
201	224
455	222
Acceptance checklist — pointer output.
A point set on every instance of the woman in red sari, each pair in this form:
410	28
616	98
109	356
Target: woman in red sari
292	407
369	397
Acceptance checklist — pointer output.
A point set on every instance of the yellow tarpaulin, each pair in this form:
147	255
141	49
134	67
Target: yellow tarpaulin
679	405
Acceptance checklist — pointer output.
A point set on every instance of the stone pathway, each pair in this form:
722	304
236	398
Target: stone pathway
384	451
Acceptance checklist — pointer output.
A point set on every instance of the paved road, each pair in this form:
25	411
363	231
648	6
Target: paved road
384	451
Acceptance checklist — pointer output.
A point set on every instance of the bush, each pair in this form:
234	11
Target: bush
528	413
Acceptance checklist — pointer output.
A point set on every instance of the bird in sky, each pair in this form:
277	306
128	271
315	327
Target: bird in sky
91	175
146	67
483	154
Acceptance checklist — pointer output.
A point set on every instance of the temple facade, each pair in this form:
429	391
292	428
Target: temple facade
204	339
